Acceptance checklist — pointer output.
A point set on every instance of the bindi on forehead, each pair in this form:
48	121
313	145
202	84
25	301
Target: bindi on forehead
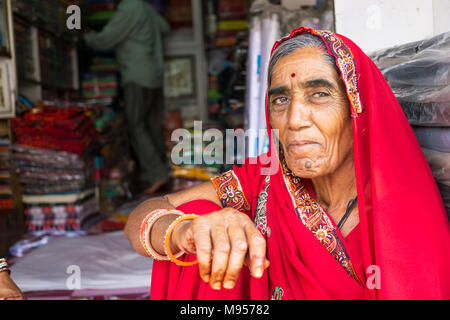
293	75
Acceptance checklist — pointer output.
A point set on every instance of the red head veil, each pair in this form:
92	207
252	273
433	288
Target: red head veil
404	227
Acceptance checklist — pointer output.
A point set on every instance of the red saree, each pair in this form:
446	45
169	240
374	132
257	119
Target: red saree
399	250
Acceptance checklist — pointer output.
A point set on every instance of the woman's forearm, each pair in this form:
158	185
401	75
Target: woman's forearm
204	191
133	225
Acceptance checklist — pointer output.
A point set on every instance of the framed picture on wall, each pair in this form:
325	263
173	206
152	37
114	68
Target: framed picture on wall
179	77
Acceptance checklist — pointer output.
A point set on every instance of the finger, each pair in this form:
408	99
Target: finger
187	244
238	253
221	251
257	250
203	247
247	262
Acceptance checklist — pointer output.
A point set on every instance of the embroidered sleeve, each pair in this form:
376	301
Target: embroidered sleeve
230	191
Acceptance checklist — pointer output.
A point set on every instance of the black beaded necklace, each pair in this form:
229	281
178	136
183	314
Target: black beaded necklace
351	204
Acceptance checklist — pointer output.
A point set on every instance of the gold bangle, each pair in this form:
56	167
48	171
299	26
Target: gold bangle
167	240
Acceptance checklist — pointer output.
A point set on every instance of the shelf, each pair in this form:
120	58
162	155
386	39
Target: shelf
39	25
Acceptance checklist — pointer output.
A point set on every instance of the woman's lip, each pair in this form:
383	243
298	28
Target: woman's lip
299	145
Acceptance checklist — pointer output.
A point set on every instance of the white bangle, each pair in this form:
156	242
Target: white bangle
146	228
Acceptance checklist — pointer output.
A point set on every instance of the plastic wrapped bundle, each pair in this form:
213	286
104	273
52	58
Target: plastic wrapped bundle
427	114
444	189
433	138
439	164
421	94
404	53
418	71
430	71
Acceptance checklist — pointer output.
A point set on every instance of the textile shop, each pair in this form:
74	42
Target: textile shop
70	174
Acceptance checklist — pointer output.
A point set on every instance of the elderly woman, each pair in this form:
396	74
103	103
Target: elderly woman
352	211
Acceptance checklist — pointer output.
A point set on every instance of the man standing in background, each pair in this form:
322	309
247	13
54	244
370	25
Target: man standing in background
136	31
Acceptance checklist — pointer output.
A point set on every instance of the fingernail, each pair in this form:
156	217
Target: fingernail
216	286
228	285
258	272
206	278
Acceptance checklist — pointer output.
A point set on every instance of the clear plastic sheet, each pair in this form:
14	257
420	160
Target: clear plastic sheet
422	72
433	138
421	49
427	114
421	94
439	163
418	71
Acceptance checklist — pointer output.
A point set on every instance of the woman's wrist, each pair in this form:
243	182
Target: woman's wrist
176	244
168	241
4	268
157	234
153	229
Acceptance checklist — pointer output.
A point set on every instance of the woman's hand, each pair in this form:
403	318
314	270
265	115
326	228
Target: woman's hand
8	289
223	241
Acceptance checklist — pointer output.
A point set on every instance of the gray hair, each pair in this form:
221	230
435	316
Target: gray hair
300	41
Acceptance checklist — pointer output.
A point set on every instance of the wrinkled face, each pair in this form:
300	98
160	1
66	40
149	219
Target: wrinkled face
309	108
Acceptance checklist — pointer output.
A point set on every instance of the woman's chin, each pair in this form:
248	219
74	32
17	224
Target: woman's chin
306	168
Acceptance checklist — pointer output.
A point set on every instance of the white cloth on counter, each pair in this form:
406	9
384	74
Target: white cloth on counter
104	262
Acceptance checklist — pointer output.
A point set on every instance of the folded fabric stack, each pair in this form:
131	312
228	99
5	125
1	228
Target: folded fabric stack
232	19
54	162
64	129
6	194
419	75
101	86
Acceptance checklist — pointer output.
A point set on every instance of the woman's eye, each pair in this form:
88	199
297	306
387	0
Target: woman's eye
321	94
280	100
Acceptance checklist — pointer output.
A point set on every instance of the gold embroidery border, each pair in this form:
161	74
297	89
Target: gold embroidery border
314	218
229	189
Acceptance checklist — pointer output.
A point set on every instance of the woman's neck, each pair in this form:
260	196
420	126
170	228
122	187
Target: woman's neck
334	191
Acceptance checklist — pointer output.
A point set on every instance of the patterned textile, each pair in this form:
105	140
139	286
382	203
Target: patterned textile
67	217
277	293
260	213
230	191
65	129
316	220
25	155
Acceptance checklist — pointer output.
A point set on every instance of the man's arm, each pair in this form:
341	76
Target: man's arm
114	32
163	25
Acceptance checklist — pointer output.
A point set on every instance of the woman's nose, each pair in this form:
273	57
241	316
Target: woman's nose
299	115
